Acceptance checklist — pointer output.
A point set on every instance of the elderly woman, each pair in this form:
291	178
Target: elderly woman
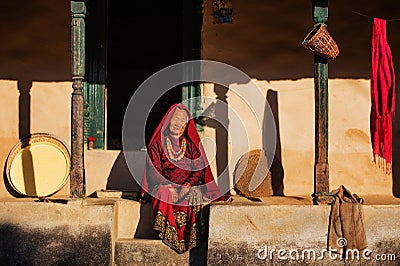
178	178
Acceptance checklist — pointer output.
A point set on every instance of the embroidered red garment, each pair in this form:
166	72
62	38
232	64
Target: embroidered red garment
210	190
178	225
383	96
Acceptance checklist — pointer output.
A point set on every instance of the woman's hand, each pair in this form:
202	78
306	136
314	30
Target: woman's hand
174	194
184	190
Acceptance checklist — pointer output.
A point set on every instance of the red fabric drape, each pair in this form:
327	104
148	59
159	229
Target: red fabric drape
383	96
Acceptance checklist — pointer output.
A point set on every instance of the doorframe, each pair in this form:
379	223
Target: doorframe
95	89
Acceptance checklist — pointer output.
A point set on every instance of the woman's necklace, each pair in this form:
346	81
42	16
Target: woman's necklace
179	154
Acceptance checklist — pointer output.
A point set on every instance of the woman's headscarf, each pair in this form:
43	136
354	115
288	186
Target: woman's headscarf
211	189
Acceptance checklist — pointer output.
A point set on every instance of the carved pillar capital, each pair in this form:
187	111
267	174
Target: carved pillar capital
77	85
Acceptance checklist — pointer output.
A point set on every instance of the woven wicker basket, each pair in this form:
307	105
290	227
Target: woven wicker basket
321	42
252	176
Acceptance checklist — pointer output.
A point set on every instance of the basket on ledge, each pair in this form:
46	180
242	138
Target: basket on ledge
321	42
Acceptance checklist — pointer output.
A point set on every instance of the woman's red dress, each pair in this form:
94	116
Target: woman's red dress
179	224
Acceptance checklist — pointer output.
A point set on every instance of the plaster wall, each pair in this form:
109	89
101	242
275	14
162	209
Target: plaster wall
43	108
350	152
35	73
264	41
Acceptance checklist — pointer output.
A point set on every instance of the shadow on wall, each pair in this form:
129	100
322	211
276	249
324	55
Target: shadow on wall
276	168
27	169
121	178
216	117
8	186
270	32
54	246
37	46
24	132
31	53
24	108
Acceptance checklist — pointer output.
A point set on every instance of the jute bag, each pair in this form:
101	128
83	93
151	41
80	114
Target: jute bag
321	42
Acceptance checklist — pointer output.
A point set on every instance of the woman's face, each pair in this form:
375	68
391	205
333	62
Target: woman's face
178	123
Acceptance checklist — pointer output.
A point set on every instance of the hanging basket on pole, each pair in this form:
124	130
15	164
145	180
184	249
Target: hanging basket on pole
321	42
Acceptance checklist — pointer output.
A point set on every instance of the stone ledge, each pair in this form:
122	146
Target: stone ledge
147	252
291	227
48	233
305	200
155	252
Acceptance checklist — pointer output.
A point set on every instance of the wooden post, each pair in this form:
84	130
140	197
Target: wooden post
321	166
77	175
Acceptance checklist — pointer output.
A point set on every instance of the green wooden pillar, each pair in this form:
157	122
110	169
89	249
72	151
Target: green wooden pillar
321	167
77	175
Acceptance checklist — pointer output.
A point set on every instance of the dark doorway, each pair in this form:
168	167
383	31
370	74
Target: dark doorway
143	38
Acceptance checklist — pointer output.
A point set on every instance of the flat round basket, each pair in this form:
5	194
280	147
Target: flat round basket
38	165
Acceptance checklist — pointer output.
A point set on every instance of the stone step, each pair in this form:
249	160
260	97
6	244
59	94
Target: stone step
134	220
130	252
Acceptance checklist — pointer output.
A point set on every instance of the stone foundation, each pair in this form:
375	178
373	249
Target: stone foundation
289	234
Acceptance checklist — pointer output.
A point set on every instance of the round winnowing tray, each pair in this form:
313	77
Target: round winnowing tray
38	165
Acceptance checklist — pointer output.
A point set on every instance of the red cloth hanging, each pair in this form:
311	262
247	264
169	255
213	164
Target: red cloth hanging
383	96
